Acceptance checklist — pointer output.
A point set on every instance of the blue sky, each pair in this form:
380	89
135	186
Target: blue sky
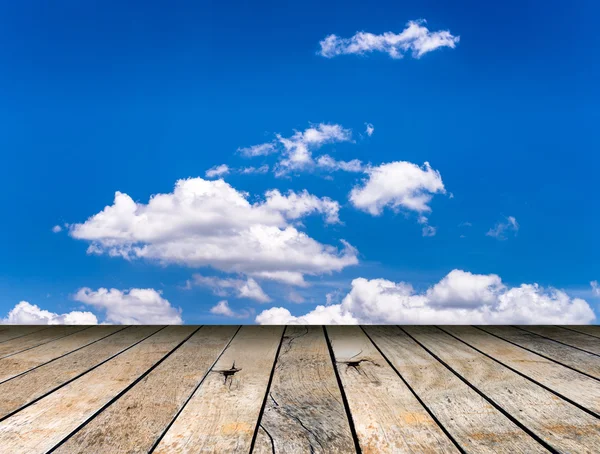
106	97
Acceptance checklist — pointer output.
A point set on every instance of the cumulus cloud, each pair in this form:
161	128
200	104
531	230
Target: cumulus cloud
217	171
131	307
57	229
240	288
459	298
330	164
370	129
210	223
501	229
25	313
595	288
222	308
397	185
415	40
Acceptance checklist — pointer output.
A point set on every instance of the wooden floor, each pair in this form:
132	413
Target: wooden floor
296	389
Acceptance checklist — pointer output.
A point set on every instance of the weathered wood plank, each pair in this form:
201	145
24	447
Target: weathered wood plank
134	422
577	359
591	330
304	411
553	420
581	389
36	338
27	360
41	426
13	331
566	336
223	413
475	424
387	416
26	388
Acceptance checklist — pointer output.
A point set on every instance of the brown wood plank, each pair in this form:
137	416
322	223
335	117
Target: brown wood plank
566	336
41	426
592	330
30	386
34	339
134	422
556	422
475	424
13	331
571	357
223	413
304	411
581	389
387	416
29	359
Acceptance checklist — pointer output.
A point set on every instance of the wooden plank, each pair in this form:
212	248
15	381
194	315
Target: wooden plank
304	411
474	423
29	359
135	421
575	339
387	417
563	354
37	338
552	420
577	387
591	330
26	388
41	426
223	413
13	331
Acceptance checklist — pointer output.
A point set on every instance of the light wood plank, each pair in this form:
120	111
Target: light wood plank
135	421
29	359
560	424
28	387
577	359
575	386
567	336
13	331
592	330
37	338
44	424
474	423
387	416
304	411
223	413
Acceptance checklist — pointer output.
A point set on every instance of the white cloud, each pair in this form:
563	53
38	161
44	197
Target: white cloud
240	288
210	223
428	230
398	185
297	205
370	129
217	171
459	298
258	150
25	313
222	308
595	288
57	229
295	297
328	163
415	39
253	170
500	230
131	307
286	277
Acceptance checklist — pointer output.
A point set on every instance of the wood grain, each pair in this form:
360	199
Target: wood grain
9	332
475	424
304	411
223	413
36	338
577	359
44	424
592	330
27	360
553	420
566	336
135	421
387	416
26	388
575	386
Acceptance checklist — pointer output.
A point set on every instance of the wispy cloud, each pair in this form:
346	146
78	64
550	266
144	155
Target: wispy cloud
370	129
217	171
501	229
595	288
222	308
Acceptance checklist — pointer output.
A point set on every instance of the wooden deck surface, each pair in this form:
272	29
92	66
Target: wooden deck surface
296	389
